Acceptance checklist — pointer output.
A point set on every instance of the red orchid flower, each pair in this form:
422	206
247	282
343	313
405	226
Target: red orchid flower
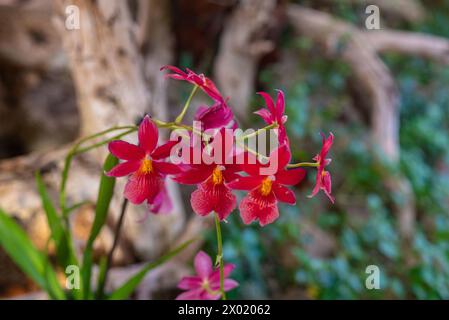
266	190
200	80
212	194
274	113
145	166
323	177
206	285
216	116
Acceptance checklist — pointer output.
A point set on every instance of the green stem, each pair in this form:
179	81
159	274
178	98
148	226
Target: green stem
220	255
303	164
103	142
239	142
118	228
186	106
256	133
68	161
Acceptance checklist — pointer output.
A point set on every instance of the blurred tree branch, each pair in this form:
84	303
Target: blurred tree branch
409	10
242	44
117	81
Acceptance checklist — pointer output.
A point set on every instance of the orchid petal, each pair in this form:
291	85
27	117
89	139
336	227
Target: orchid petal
148	135
268	101
290	177
188	283
203	265
125	150
284	194
124	169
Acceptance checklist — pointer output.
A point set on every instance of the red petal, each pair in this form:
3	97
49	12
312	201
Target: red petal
161	203
213	198
230	174
280	105
284	155
219	115
327	185
193	176
124	169
228	285
255	206
148	135
203	265
174	69
290	177
163	151
126	151
227	269
284	194
265	115
327	143
166	167
317	186
251	165
200	203
141	187
225	204
195	294
245	183
268	101
188	283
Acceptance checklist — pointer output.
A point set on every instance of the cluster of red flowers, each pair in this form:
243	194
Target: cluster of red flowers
148	164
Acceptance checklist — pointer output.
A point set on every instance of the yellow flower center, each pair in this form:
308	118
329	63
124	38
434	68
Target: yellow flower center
217	175
205	285
265	188
146	166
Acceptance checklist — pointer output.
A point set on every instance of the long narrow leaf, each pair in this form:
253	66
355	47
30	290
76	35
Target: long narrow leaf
62	239
129	286
105	193
103	267
19	247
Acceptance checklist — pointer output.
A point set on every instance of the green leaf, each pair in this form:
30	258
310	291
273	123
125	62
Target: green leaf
61	238
19	247
105	193
103	267
129	286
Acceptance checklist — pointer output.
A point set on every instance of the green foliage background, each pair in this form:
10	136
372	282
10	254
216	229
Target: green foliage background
272	261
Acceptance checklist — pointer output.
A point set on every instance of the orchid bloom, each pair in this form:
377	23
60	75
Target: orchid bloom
216	116
274	113
145	166
212	194
200	80
266	190
206	284
323	177
219	114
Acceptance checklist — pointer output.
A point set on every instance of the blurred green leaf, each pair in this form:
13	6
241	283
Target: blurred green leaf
19	247
105	193
61	238
128	288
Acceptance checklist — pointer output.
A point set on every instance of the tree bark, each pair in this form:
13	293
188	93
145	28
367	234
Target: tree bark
242	44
